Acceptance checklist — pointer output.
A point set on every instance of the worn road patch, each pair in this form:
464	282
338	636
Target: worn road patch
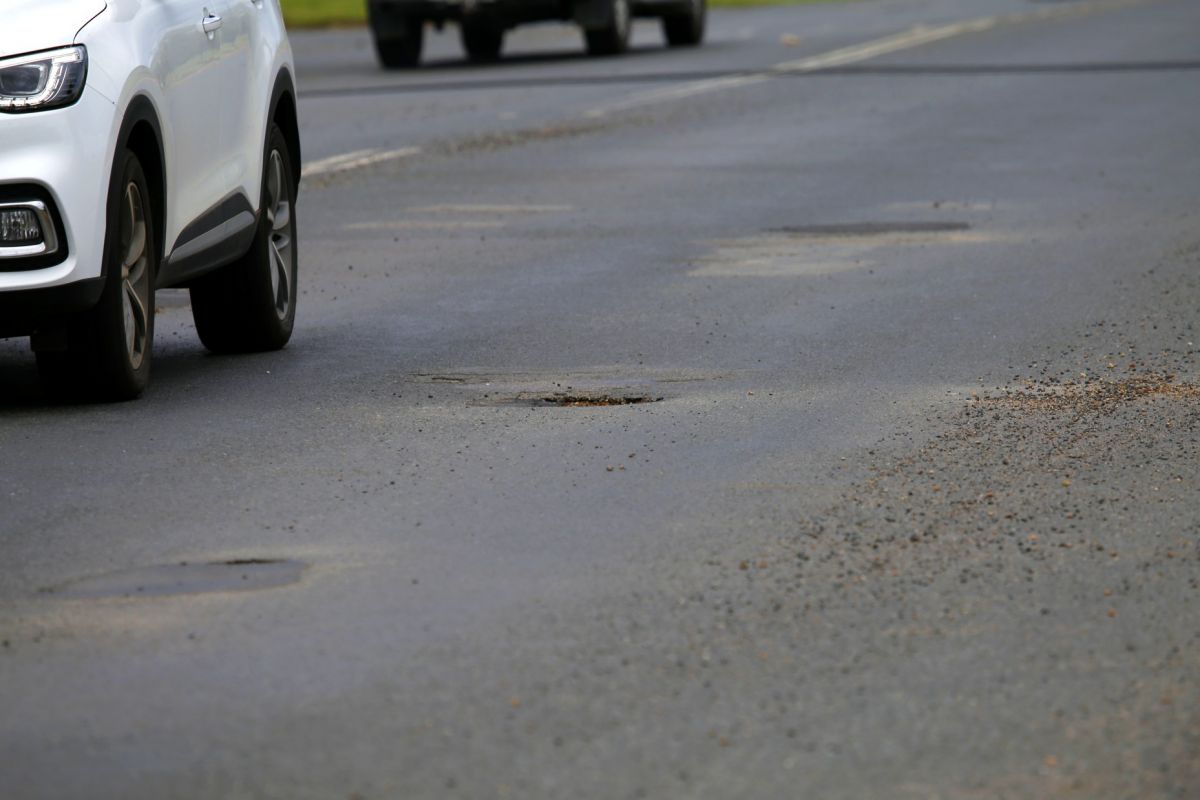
825	249
163	580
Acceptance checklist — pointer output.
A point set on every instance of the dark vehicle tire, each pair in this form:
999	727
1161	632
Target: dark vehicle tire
250	305
613	38
398	43
686	29
482	39
108	348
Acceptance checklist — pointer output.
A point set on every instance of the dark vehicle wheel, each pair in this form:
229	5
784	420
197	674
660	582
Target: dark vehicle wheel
398	39
482	39
107	349
686	29
250	305
613	37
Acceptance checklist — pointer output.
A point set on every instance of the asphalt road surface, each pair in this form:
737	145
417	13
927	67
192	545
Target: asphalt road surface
910	508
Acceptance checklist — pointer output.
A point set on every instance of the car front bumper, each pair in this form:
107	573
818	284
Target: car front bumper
62	158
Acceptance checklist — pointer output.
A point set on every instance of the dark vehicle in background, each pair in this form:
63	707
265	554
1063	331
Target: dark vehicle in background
398	26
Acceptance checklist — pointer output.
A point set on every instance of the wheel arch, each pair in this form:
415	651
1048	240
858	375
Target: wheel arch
283	114
141	133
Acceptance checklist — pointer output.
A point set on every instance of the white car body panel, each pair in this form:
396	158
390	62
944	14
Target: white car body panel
200	83
212	93
266	51
31	25
31	151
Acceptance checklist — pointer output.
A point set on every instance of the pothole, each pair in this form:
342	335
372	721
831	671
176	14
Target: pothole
583	400
164	580
568	399
871	228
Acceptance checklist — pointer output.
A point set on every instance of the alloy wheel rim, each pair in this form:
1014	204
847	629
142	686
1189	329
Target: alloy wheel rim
279	217
135	275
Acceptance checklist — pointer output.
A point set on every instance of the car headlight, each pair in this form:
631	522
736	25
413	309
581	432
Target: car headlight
38	81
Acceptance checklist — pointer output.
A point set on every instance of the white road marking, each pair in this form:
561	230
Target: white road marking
422	224
355	160
889	44
464	208
450	209
915	37
325	164
692	89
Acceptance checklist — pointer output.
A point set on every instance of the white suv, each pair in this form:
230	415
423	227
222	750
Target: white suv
144	145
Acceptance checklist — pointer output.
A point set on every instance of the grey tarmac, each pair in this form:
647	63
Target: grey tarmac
908	508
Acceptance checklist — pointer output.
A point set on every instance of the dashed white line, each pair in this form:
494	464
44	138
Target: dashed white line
326	164
423	224
677	93
915	37
355	160
889	44
483	208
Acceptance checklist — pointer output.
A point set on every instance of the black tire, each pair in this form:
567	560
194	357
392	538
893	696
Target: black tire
250	305
686	29
482	39
613	38
401	47
108	349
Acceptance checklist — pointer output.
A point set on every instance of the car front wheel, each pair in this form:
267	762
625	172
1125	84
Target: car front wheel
105	353
250	305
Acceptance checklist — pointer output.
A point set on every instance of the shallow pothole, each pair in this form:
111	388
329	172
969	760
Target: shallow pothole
164	580
584	400
569	399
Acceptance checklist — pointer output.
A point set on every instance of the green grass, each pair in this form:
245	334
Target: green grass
317	13
311	13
